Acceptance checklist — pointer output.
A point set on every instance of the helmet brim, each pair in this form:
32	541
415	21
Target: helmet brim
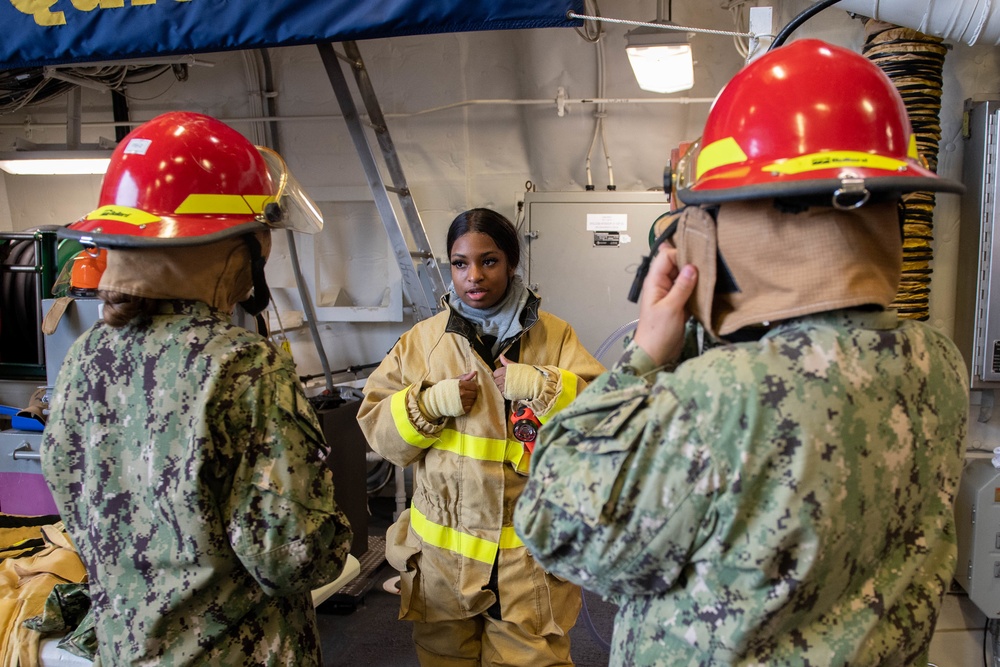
165	232
735	187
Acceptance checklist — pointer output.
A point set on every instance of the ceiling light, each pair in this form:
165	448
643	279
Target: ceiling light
661	58
56	161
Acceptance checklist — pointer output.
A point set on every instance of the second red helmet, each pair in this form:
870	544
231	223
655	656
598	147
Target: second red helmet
807	119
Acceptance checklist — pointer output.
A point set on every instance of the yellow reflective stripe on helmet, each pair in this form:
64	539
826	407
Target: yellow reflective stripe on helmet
911	150
132	216
718	154
833	160
481	449
222	204
445	537
401	418
570	389
450	539
258	202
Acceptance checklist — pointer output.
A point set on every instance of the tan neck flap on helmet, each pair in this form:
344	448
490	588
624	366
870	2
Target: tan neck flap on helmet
217	274
786	265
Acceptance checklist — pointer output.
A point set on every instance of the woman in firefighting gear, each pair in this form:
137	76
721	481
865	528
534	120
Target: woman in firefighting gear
440	402
185	459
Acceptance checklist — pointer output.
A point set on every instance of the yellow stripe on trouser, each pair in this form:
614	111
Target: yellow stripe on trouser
445	537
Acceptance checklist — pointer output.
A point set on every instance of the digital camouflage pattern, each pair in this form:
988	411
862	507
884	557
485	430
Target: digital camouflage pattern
780	502
190	470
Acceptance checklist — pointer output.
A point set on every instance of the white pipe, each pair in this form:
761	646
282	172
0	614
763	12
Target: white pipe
969	21
312	118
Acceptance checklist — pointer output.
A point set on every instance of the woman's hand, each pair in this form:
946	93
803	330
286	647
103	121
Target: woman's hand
519	382
468	390
662	307
500	374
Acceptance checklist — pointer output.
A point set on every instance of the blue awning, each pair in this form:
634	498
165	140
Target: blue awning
51	32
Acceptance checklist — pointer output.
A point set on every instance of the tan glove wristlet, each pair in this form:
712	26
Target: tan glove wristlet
441	400
524	382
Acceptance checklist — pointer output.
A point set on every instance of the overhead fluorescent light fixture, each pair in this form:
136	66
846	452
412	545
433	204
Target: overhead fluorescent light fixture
52	162
661	58
28	158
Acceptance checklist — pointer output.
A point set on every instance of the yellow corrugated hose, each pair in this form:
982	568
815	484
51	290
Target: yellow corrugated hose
914	62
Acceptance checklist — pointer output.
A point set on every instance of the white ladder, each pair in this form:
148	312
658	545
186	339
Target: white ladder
422	280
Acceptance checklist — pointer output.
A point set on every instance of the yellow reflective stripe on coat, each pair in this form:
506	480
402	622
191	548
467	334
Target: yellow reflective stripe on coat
570	389
509	539
445	537
482	449
463	444
407	431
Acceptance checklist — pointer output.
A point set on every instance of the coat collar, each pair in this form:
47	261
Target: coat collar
461	326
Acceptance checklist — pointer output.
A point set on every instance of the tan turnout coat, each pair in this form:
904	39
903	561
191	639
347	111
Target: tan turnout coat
469	471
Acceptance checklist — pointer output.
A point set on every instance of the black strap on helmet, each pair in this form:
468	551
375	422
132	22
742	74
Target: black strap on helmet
261	295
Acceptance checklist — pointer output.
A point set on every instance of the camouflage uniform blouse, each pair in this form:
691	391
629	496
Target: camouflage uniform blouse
189	469
781	502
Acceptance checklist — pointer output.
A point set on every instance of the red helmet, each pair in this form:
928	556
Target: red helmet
803	120
184	178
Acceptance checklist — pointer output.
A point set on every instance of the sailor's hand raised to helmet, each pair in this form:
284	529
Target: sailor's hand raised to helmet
662	307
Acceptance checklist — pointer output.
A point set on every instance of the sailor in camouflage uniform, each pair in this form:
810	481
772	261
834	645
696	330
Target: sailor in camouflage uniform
785	498
186	461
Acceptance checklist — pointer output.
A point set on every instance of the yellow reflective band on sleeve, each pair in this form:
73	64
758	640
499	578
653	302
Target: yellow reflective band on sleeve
401	418
132	216
833	160
450	539
719	154
222	205
569	391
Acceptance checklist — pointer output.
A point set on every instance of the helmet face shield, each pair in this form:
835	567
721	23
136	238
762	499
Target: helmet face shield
684	174
295	209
